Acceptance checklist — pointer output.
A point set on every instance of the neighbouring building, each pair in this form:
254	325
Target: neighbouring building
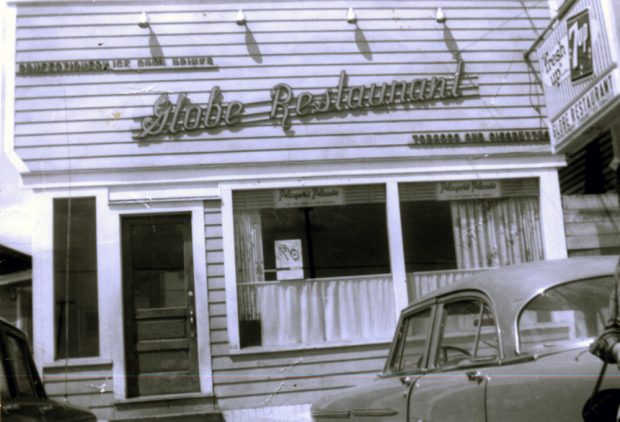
234	205
578	56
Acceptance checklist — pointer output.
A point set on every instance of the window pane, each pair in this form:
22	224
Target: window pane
427	236
313	265
75	278
569	313
336	241
469	334
453	229
411	343
158	271
17	358
4	383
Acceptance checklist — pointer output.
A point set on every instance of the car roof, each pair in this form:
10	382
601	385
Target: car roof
512	285
510	288
6	325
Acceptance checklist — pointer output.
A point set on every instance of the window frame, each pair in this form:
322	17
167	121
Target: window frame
401	327
437	330
398	278
552	233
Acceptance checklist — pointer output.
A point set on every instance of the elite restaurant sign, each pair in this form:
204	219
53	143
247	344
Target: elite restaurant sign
579	74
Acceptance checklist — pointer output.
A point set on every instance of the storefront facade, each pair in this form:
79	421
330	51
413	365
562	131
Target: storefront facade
234	206
578	56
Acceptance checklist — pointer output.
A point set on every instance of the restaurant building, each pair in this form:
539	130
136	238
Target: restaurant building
578	55
234	205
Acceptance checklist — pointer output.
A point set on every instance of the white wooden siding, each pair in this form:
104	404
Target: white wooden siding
89	386
84	122
592	224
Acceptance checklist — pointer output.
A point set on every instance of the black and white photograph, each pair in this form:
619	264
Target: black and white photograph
310	211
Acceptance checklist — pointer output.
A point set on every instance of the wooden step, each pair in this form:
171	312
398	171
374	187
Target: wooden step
175	407
172	417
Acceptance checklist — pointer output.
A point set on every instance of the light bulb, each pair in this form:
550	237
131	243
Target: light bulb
241	18
351	16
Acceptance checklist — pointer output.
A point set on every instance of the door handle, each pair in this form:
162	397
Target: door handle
406	381
475	376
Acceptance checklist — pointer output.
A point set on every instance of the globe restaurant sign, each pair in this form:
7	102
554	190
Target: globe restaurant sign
173	117
579	70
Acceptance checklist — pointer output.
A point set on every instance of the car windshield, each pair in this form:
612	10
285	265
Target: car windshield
564	315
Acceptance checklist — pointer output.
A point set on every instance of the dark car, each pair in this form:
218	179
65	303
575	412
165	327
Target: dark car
509	344
22	397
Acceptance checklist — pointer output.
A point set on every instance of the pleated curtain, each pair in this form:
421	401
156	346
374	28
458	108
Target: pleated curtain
496	232
329	310
249	260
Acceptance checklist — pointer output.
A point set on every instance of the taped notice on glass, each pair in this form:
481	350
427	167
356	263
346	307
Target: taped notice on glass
289	259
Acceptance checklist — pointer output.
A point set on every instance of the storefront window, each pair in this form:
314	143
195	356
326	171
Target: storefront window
313	266
452	229
75	278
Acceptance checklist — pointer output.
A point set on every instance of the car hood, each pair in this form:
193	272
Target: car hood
381	397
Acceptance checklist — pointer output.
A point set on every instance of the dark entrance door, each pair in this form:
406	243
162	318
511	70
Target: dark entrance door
158	287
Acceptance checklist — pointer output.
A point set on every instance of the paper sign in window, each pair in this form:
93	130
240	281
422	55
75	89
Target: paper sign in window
289	259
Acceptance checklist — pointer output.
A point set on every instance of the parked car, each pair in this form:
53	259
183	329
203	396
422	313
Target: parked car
22	397
509	344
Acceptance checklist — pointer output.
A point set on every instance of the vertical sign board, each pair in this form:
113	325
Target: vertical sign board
579	72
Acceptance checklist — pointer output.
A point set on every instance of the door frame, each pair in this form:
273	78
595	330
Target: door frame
110	220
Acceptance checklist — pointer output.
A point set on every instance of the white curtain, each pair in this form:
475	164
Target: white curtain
328	310
249	260
496	232
422	283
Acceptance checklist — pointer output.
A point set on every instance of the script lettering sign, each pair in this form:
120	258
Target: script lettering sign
183	116
302	197
447	191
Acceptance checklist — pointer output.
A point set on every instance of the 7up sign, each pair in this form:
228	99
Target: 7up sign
579	45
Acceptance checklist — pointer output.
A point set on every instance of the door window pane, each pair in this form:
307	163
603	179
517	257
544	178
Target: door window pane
158	271
19	363
468	334
75	278
411	343
312	265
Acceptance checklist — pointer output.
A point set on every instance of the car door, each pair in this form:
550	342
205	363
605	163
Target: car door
387	398
465	341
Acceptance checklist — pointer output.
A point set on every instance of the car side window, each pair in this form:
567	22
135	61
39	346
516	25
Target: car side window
17	358
468	334
4	384
411	342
